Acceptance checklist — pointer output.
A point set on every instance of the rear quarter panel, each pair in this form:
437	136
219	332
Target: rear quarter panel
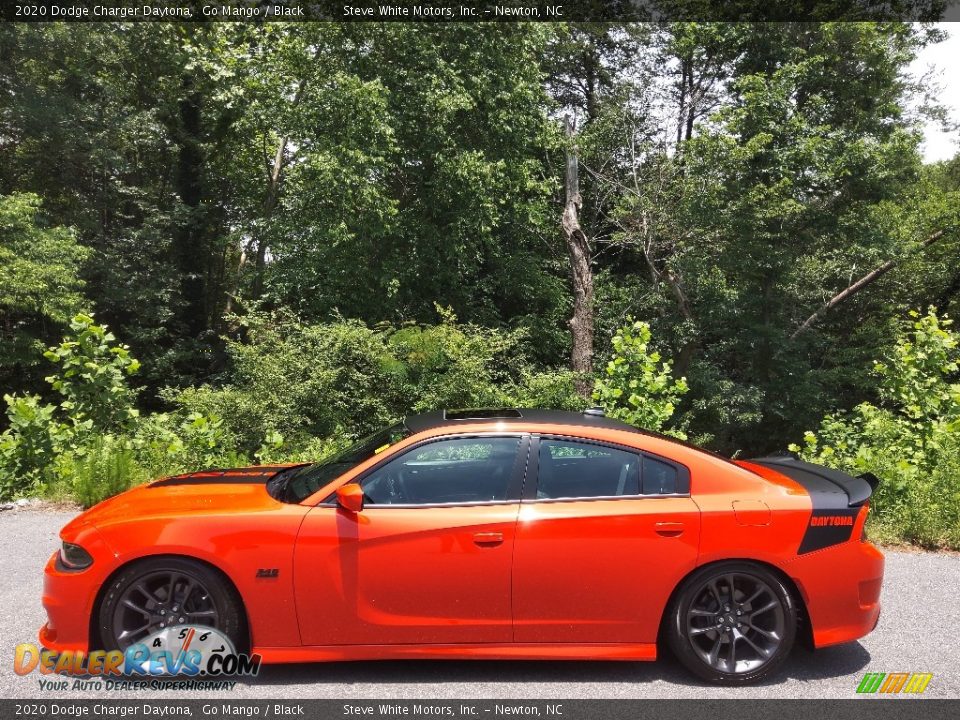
731	499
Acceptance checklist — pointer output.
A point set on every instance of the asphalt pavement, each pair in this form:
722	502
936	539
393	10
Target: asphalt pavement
918	632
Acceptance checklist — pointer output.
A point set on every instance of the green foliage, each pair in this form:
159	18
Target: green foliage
291	383
40	285
911	440
92	372
170	443
92	380
107	467
635	385
28	448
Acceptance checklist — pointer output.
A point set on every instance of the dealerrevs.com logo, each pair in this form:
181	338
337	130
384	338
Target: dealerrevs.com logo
180	650
895	683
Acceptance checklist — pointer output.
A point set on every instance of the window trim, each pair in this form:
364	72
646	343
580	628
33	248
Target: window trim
530	488
517	473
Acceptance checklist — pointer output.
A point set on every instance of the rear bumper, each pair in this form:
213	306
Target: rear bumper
841	589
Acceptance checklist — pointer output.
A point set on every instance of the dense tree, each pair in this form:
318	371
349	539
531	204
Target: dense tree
40	286
754	192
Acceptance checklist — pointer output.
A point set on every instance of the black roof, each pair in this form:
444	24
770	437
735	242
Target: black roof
589	418
452	418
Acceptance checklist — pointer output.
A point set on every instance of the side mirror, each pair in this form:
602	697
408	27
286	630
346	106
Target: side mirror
350	497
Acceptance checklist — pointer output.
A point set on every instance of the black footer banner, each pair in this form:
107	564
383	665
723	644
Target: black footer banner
857	709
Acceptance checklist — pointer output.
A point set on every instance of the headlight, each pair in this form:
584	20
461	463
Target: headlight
74	557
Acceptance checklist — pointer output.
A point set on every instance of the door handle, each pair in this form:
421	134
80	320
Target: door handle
488	538
669	529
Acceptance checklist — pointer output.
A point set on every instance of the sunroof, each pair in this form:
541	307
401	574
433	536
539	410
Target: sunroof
481	414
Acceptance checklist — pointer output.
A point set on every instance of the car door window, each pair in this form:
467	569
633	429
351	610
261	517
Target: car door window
569	469
659	478
460	470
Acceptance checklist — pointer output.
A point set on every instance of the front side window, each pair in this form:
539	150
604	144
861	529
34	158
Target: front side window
570	469
460	470
296	484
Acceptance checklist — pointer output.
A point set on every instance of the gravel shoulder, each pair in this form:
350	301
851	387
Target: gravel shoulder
917	633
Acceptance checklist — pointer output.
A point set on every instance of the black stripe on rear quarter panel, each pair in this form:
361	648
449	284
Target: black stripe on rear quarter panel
835	496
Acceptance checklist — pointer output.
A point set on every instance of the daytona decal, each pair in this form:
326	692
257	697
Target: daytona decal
831	520
826	528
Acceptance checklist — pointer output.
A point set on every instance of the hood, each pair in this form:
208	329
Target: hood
256	474
208	492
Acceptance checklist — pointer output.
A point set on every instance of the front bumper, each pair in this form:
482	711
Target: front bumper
69	595
841	589
68	612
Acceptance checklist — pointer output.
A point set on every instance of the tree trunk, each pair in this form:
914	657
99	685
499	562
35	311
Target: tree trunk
273	195
269	203
189	241
859	285
578	247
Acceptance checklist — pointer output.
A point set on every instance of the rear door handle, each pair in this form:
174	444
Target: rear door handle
669	529
488	538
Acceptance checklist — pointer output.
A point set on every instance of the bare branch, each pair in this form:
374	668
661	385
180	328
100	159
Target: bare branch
859	285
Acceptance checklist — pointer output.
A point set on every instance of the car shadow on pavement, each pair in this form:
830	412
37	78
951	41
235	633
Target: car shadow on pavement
836	661
803	665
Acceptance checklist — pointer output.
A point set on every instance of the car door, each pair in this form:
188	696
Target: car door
427	560
604	536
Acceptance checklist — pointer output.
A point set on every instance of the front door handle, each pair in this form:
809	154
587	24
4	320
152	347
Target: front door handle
669	529
486	539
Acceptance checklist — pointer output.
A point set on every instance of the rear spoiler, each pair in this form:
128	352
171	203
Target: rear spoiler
828	488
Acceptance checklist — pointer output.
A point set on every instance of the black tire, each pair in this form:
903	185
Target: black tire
732	607
216	602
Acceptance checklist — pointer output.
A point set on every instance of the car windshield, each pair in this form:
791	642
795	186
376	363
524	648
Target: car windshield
299	483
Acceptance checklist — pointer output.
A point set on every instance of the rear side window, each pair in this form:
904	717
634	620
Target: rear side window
572	469
569	469
461	470
659	478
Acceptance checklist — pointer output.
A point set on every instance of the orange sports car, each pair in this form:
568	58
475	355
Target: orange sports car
500	534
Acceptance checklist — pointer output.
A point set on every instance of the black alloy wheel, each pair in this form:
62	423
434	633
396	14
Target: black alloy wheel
733	623
158	593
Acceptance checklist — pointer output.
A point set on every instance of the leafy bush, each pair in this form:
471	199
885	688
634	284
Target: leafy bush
29	446
301	382
107	466
910	440
170	443
92	377
344	379
38	448
636	385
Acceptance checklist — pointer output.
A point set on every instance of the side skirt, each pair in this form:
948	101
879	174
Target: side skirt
487	651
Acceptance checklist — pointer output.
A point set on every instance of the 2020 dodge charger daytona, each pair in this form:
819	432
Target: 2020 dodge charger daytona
483	534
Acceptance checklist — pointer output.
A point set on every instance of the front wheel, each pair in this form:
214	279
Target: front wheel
732	623
161	592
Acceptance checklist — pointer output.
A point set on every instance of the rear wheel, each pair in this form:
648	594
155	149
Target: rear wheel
161	592
732	623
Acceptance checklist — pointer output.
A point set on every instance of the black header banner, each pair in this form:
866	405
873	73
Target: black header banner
475	10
